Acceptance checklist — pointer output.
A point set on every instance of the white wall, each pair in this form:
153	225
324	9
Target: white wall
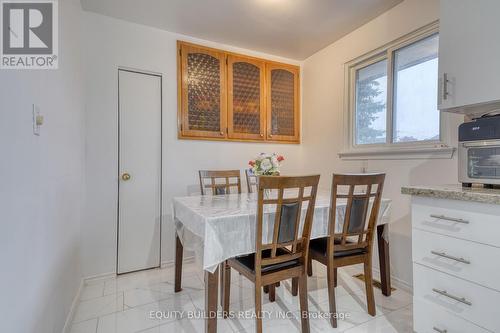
111	43
323	113
41	187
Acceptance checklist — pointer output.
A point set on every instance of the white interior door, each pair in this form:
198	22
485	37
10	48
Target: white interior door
139	189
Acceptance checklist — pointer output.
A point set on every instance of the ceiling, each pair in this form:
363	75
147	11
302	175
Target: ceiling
293	29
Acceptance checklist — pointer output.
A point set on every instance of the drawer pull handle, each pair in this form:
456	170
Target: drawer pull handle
456	298
452	219
444	255
439	330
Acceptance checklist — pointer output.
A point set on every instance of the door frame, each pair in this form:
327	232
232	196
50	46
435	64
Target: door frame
159	75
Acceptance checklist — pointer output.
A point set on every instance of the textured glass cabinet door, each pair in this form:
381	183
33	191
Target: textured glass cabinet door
282	105
246	100
203	92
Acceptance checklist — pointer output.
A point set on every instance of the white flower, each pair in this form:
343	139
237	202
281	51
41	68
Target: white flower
266	164
274	161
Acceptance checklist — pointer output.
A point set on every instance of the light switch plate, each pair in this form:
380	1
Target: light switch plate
37	120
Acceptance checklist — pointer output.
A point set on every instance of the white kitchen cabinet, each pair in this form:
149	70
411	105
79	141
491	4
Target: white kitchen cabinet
470	261
456	275
434	320
469	53
459	297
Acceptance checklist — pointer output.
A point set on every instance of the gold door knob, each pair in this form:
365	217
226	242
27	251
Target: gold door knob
126	176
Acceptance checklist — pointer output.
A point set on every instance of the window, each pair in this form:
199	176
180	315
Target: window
392	95
416	117
371	103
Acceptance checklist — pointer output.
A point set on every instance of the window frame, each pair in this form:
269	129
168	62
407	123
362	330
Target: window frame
389	149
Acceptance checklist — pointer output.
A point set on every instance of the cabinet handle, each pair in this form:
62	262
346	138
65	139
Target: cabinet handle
270	135
439	330
261	135
444	255
221	133
453	297
445	86
452	219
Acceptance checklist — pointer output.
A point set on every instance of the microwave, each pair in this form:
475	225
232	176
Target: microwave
479	152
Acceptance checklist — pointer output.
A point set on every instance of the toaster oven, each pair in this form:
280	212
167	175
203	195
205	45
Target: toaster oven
479	152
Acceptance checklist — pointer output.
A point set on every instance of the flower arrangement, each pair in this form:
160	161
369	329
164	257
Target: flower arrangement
266	164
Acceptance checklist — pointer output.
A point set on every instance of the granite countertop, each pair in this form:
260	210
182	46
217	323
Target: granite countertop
454	192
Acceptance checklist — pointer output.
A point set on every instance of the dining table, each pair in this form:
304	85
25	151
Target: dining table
220	227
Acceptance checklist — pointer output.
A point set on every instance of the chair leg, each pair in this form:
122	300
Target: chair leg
331	295
179	251
258	308
226	289
304	309
370	298
272	293
295	286
335	277
266	289
310	266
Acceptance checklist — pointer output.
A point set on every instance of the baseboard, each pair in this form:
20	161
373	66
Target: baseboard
71	313
397	282
164	264
98	277
171	263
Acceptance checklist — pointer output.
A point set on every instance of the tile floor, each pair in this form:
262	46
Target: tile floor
124	304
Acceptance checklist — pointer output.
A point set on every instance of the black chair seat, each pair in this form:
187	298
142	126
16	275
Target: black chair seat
319	245
249	261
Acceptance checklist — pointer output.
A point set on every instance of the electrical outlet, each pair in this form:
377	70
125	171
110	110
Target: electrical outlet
37	120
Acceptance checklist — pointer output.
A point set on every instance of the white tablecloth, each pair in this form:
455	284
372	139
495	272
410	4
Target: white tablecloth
220	227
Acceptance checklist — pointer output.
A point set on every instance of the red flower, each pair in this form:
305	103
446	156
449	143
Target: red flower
280	158
251	163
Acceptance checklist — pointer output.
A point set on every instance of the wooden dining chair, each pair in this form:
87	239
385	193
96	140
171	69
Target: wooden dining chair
219	181
284	254
251	181
252	188
353	244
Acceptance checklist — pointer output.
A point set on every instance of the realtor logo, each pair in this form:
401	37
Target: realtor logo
29	34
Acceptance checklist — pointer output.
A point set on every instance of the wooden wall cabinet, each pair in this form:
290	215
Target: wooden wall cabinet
246	99
283	117
202	95
232	97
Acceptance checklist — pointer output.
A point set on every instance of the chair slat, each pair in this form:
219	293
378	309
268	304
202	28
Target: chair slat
277	222
347	216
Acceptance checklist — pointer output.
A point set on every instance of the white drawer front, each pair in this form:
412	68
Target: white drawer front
430	318
482	303
462	219
475	262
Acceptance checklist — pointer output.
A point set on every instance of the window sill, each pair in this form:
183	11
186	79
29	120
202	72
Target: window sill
397	153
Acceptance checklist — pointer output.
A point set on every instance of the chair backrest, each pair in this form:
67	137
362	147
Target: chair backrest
220	182
363	191
251	181
286	202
